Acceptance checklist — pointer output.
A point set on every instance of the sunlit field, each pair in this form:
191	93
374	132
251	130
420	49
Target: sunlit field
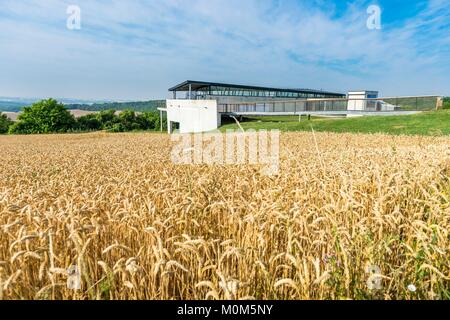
139	227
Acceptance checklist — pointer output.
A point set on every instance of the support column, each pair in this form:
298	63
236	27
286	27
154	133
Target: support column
439	103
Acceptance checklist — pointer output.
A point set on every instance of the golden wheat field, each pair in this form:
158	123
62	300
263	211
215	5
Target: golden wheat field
139	227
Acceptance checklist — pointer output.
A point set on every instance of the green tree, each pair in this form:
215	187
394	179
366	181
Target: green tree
46	116
108	119
118	127
128	121
89	122
447	103
149	120
5	123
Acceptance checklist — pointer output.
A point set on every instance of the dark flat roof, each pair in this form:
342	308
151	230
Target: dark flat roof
197	85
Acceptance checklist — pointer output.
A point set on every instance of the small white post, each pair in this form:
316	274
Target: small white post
161	119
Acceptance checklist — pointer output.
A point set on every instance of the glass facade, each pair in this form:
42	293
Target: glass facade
257	93
198	90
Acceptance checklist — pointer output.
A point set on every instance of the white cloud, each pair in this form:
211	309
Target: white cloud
137	49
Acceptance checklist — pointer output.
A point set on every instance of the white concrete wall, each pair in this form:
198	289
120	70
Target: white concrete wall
194	116
356	105
362	105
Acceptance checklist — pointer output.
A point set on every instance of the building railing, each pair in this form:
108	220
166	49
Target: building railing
422	103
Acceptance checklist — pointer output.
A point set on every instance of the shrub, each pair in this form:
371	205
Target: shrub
46	116
117	127
89	122
127	119
447	103
108	116
5	123
149	120
49	116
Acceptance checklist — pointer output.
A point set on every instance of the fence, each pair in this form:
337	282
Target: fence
424	103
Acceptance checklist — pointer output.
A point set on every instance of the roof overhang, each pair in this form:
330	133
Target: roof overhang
198	85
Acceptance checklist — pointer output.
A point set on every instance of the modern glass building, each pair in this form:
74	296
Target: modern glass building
199	106
235	93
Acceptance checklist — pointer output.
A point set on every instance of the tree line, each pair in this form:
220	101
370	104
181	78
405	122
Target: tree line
50	116
141	106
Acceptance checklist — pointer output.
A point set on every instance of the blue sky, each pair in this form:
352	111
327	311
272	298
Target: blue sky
136	49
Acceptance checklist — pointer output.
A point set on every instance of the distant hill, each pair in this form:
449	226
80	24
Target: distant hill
75	112
16	105
12	106
141	106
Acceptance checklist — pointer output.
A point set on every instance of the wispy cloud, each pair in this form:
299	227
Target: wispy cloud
137	49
